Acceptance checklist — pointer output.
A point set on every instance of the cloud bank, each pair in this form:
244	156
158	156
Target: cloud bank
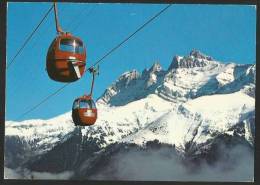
235	164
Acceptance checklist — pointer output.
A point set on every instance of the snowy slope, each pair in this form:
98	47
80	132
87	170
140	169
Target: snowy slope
198	120
120	121
43	134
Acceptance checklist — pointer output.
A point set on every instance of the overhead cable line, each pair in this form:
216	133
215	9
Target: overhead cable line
44	100
99	60
48	28
88	13
28	38
131	35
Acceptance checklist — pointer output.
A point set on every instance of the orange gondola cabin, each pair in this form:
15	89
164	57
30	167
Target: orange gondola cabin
66	58
84	111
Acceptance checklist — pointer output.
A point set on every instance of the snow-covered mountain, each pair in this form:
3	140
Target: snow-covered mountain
194	104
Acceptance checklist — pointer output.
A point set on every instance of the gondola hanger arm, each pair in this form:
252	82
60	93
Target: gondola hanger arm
58	28
94	72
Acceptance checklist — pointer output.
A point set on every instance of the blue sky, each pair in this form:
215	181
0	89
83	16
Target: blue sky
225	32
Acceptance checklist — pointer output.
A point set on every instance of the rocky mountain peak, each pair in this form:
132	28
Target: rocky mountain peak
152	72
199	55
156	67
124	81
188	77
194	59
127	77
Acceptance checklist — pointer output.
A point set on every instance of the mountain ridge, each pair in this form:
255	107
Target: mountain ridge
189	106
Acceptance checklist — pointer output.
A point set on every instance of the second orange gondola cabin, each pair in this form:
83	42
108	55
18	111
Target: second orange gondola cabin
84	111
